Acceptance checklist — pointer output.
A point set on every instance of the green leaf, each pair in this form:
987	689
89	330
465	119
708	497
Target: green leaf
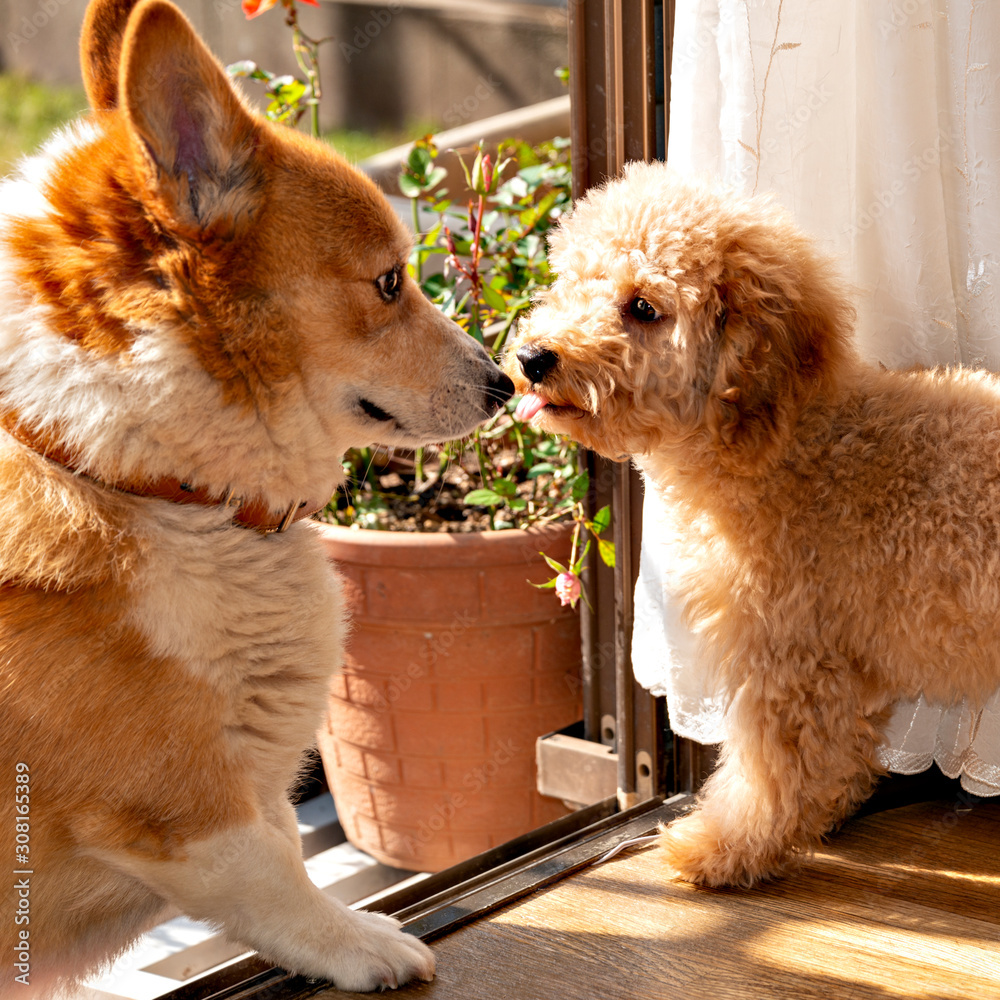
465	170
505	487
580	486
532	216
409	187
515	188
606	549
494	299
498	169
434	284
578	565
419	160
476	181
287	81
542	469
545	586
517	503
601	520
558	567
484	498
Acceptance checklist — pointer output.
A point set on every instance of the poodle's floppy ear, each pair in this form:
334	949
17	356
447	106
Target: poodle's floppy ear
780	321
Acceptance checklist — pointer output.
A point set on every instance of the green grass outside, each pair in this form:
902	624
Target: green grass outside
30	112
356	146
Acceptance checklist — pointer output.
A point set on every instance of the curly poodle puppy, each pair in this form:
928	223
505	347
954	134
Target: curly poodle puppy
836	527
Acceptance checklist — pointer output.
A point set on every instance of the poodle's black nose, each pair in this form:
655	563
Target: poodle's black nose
536	362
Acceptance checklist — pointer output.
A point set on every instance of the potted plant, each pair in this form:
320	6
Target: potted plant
459	658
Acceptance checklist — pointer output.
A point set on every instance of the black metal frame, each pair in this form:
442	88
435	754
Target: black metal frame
620	116
450	899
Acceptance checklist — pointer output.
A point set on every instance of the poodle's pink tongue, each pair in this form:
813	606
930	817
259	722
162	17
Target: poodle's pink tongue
529	405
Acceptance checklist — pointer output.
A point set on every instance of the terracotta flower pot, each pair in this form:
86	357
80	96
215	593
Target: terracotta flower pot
454	666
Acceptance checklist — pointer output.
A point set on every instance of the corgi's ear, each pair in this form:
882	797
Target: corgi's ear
192	133
101	49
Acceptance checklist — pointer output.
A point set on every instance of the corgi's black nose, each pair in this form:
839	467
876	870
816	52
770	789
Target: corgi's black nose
498	391
536	362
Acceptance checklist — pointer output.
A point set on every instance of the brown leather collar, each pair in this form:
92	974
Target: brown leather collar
247	513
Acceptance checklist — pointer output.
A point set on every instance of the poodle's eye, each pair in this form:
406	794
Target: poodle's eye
389	284
641	310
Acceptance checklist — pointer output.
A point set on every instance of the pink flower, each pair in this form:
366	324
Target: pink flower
568	588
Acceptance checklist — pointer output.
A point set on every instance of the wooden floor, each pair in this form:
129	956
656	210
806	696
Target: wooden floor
905	903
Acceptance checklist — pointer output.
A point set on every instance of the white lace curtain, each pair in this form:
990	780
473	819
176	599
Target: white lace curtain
877	124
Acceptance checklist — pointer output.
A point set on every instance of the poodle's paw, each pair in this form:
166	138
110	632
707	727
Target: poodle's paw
698	851
380	956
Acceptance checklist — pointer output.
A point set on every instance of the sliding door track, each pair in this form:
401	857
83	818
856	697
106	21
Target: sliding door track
446	901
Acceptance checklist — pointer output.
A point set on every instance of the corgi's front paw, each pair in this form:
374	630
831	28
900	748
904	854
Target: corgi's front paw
380	956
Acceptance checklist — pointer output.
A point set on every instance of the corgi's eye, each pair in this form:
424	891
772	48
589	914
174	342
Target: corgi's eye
389	284
641	310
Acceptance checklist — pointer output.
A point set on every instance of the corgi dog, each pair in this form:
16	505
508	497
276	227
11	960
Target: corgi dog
199	313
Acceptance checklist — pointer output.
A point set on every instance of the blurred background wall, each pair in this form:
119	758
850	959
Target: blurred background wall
388	65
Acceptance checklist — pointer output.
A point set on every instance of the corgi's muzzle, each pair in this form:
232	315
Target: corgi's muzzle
498	390
468	392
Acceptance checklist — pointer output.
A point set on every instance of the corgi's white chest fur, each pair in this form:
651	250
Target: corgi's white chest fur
236	607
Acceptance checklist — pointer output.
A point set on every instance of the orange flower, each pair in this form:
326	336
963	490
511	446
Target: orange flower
252	8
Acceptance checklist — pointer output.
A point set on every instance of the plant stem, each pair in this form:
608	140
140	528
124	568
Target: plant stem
501	337
476	221
419	266
477	447
576	538
307	56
